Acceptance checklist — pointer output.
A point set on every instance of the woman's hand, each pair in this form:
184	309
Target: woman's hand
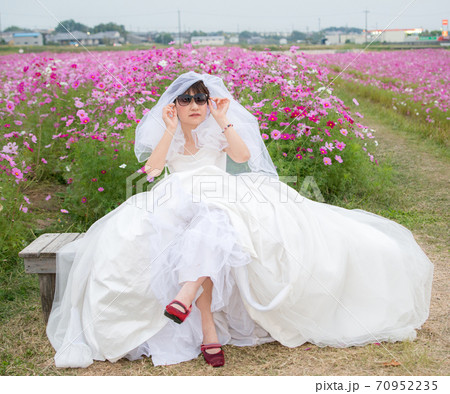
170	117
222	105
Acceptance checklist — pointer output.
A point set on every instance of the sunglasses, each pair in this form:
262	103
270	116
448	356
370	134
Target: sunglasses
185	99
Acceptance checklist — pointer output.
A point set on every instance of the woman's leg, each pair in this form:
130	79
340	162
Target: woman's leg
208	327
188	292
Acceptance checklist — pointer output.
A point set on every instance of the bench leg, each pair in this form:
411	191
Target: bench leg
47	286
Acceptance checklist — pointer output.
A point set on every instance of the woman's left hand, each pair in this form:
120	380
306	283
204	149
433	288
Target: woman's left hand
222	105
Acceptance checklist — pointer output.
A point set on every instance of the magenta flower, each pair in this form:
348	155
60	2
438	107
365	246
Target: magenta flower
273	117
299	156
119	110
83	200
100	189
17	173
264	136
275	134
340	145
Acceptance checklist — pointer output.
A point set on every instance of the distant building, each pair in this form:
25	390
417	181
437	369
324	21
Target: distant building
256	40
233	40
107	38
81	38
394	35
283	41
33	38
73	38
339	38
208	40
388	35
134	38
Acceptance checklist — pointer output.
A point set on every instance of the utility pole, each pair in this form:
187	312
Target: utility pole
365	35
179	29
319	25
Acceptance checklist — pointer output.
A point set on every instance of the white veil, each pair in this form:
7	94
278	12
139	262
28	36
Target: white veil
151	127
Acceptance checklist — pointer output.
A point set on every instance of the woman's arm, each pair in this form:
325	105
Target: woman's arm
157	159
237	149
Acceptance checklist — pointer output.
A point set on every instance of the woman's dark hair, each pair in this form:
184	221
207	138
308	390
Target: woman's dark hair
197	87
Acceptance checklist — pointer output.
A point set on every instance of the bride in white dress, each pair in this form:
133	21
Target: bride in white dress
251	259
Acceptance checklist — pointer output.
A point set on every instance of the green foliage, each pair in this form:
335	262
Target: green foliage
97	164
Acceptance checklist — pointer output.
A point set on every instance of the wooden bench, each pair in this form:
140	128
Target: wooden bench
40	258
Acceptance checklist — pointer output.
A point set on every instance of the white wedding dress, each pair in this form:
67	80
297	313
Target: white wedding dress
284	268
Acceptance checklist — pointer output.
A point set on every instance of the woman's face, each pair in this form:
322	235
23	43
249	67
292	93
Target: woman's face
185	113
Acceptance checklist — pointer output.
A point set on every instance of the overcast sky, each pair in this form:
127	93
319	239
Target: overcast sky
227	15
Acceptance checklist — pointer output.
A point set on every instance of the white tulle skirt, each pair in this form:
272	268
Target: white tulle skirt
290	270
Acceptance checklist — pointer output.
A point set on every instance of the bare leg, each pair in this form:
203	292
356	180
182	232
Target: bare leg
188	292
204	304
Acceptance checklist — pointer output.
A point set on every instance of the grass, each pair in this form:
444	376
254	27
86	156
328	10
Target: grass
404	118
417	198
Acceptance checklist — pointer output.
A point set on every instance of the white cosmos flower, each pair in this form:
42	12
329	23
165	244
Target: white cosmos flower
123	166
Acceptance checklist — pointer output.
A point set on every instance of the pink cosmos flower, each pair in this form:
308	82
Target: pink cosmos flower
100	189
327	161
275	134
340	145
64	211
17	173
119	110
338	158
48	197
355	101
264	136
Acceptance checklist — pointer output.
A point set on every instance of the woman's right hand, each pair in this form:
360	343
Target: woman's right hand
169	115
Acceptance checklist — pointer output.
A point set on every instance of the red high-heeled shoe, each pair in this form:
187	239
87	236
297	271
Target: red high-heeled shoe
175	314
214	359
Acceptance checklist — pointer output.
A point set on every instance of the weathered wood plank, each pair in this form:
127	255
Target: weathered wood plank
51	249
47	289
38	244
35	265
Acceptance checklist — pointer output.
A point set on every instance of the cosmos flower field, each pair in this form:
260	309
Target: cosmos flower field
54	105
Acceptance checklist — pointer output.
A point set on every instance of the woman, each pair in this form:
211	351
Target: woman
234	254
